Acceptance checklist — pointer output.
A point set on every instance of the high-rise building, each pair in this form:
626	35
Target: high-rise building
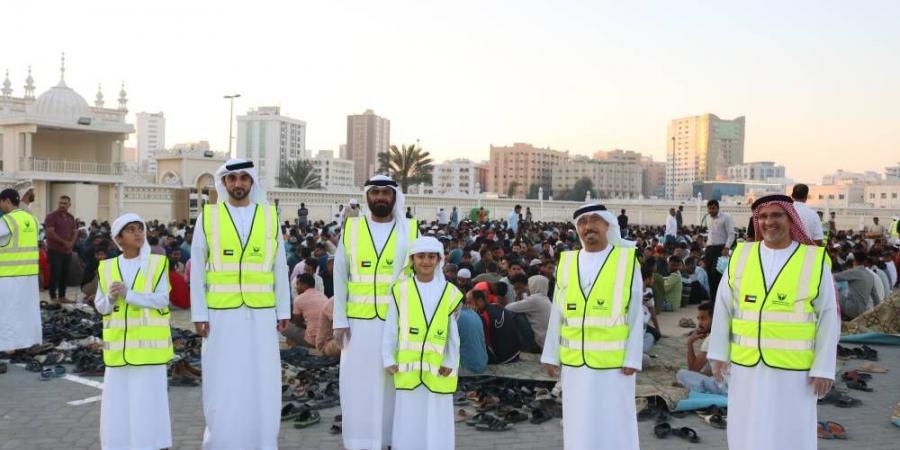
653	173
612	178
335	174
701	148
270	140
367	136
151	138
524	165
459	176
892	173
755	171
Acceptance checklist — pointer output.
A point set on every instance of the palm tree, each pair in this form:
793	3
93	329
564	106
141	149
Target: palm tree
299	174
407	165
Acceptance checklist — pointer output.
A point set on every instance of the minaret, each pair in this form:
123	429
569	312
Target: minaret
29	85
123	98
7	89
98	101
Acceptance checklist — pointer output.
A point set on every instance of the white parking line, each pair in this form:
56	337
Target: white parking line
84	381
93	399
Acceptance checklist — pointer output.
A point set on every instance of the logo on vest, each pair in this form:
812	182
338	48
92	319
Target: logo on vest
413	331
27	225
389	262
600	304
439	335
366	263
749	299
781	300
256	251
228	252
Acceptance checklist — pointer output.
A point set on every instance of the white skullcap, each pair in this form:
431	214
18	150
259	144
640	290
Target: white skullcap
464	273
426	244
117	227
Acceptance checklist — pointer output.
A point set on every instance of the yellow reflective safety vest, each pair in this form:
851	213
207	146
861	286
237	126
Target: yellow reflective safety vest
777	325
19	257
826	232
420	343
132	335
894	232
594	328
237	274
372	272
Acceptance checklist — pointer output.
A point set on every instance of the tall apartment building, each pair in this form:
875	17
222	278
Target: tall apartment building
892	173
459	176
335	174
653	173
755	171
612	179
701	148
367	136
523	164
270	140
151	138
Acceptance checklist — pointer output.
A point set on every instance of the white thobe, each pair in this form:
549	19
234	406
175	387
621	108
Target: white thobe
423	420
20	311
599	403
134	408
773	408
367	393
241	361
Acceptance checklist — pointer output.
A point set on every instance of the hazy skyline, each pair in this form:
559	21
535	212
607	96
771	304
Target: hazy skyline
819	82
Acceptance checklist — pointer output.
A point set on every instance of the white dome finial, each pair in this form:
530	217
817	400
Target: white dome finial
98	101
123	98
29	85
7	89
62	68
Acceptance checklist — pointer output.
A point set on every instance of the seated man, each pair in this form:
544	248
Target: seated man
325	342
667	289
473	356
698	376
502	334
695	283
535	306
307	307
651	323
862	294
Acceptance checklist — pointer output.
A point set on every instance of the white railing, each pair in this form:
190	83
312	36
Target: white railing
70	166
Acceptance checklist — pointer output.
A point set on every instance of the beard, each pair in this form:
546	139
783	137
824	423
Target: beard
382	209
239	193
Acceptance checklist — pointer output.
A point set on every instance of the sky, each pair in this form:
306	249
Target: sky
818	81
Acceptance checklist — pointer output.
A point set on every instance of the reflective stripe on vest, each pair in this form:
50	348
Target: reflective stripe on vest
420	344
240	274
19	257
132	335
778	325
594	330
371	272
826	232
894	232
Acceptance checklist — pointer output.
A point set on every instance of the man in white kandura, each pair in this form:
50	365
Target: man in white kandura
776	327
596	334
370	256
133	297
421	350
20	313
240	302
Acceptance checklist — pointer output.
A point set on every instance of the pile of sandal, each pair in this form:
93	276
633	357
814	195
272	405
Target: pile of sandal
865	352
664	429
839	399
305	391
501	403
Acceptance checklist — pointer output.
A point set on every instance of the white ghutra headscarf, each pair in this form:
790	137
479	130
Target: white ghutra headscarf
399	212
428	244
119	224
614	234
257	191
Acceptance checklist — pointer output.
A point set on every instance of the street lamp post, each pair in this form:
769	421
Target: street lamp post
541	198
231	120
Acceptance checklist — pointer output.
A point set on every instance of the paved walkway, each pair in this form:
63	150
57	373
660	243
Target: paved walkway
36	414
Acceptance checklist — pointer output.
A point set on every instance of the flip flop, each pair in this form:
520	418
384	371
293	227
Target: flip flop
479	419
662	430
836	430
336	429
715	420
822	431
687	434
856	375
461	415
846	401
539	416
515	416
307	418
59	371
46	374
858	385
494	425
460	399
290	411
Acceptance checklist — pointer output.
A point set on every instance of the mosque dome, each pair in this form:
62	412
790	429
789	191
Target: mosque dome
61	102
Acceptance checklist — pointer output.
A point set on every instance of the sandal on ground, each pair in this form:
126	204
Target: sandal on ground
461	415
822	431
46	374
336	429
306	418
686	322
856	375
858	385
480	418
494	425
290	411
687	434
3	368
539	416
662	430
836	430
460	399
715	420
846	401
515	416
895	417
339	418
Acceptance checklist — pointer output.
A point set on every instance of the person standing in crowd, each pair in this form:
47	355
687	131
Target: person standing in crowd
240	302
596	335
811	221
512	222
370	257
528	217
420	349
20	314
679	220
133	297
25	188
775	328
671	229
876	230
442	219
62	233
721	237
454	217
303	217
623	223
